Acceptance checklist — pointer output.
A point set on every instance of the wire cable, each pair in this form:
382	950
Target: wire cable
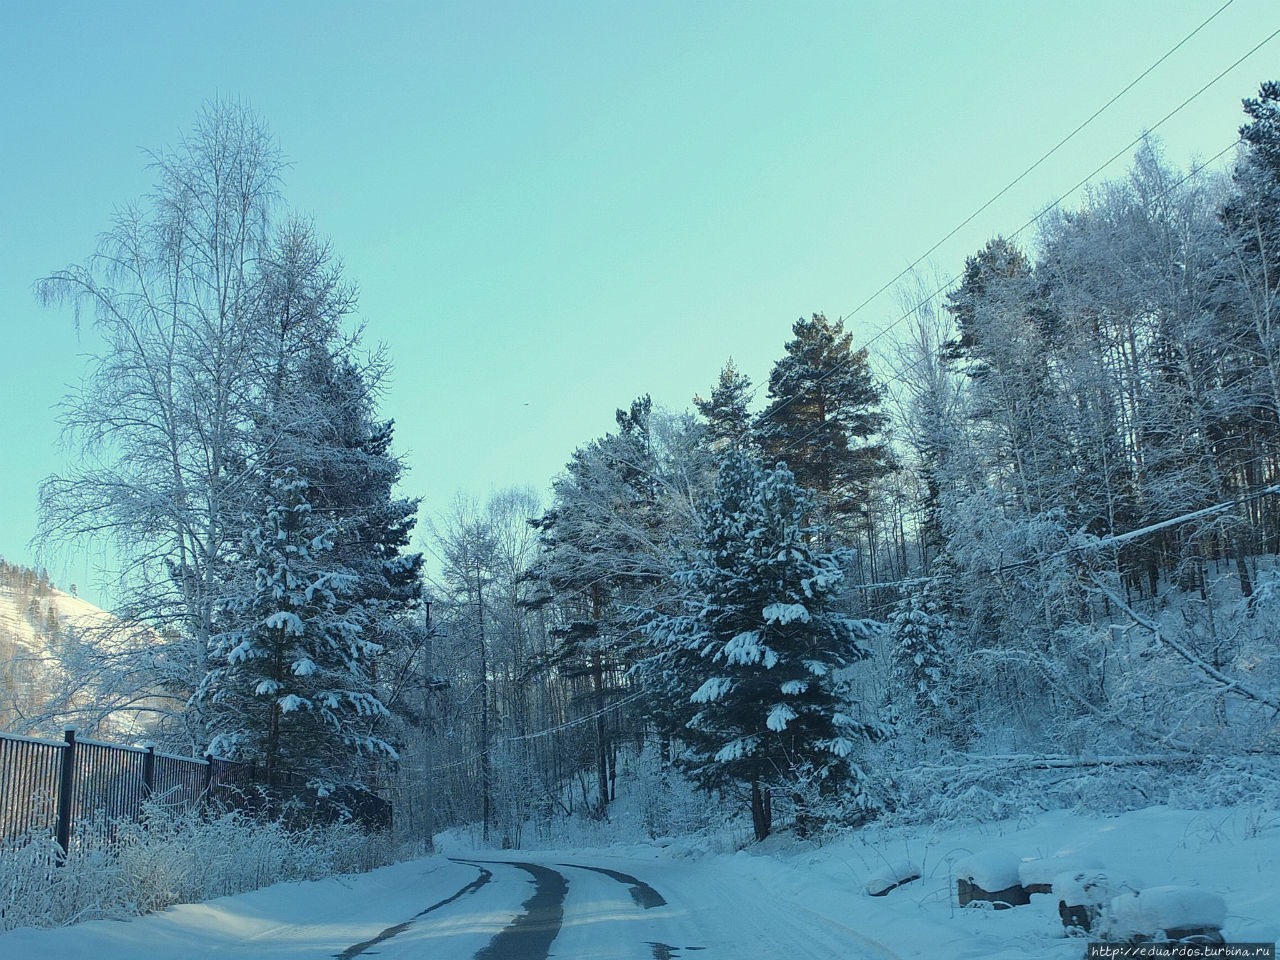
773	411
1043	157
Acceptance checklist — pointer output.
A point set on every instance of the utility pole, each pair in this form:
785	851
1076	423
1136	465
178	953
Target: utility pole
428	757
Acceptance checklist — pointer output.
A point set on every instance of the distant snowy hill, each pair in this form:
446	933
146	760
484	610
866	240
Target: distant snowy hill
37	622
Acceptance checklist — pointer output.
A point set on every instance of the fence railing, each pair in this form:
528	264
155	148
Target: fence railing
64	789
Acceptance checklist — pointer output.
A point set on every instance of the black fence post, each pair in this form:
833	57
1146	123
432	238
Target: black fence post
66	787
149	770
206	797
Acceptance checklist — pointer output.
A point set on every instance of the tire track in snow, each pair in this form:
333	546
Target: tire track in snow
356	949
529	936
645	897
643	894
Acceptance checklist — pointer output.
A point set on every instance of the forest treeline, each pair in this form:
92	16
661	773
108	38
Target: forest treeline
1040	522
1047	510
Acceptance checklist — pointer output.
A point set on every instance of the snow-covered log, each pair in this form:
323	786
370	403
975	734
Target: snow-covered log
1167	913
990	877
890	877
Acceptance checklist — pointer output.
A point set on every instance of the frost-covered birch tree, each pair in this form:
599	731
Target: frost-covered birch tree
159	421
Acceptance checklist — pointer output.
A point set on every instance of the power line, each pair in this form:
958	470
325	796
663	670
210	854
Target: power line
773	411
1138	139
538	734
900	375
1045	156
1107	541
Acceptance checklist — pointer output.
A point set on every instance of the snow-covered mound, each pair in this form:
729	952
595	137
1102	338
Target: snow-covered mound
991	870
1083	888
1157	911
890	877
1044	871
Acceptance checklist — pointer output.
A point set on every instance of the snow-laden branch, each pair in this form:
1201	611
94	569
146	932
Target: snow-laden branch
1016	762
1226	683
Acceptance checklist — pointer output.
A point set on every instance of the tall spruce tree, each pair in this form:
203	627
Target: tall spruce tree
824	417
319	418
316	425
752	666
291	686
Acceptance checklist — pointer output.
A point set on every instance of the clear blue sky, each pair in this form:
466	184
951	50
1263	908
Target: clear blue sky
566	205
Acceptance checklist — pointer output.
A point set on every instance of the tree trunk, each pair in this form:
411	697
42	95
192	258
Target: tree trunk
486	762
761	811
597	683
602	752
1242	567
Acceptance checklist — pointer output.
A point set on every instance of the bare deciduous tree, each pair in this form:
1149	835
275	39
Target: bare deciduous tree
159	422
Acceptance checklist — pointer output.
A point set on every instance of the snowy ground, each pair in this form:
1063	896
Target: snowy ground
781	899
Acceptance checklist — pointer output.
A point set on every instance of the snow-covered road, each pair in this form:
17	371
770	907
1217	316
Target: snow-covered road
518	909
682	900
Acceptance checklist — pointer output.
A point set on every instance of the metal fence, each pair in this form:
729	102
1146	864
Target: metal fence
29	780
71	788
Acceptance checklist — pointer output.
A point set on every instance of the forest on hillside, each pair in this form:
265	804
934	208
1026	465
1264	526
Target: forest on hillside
1031	537
29	626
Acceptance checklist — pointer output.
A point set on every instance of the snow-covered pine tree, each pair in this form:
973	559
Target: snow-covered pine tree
318	416
753	664
824	417
922	660
728	420
290	689
604	550
1252	213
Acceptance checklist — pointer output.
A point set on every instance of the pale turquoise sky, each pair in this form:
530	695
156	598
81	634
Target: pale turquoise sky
571	204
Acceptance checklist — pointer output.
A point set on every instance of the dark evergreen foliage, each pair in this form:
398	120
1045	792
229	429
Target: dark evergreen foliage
726	413
824	416
753	664
291	687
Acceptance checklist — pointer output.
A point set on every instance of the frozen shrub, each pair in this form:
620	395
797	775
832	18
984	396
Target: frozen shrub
171	856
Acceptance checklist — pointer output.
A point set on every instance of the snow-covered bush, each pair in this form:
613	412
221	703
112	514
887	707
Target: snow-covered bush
170	857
